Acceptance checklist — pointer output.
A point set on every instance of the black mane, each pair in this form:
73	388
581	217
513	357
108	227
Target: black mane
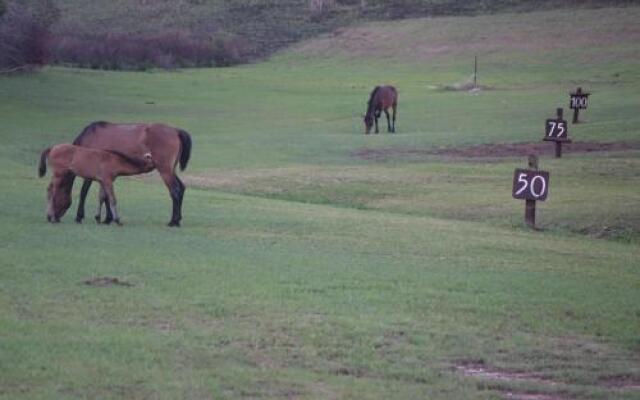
371	105
88	130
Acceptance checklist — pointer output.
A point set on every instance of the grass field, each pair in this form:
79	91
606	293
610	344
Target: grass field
304	270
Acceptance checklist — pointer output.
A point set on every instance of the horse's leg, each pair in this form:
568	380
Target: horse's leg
376	115
107	186
386	113
176	191
108	215
56	186
83	195
50	193
394	107
101	199
181	196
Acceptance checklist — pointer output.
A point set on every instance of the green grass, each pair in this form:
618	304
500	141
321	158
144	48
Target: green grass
302	271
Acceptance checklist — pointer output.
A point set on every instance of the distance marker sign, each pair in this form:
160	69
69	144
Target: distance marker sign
556	130
530	184
579	101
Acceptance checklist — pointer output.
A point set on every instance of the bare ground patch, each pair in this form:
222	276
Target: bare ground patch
480	371
491	150
483	372
621	382
104	281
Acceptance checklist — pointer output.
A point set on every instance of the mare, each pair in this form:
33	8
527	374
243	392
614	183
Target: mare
381	98
93	164
170	146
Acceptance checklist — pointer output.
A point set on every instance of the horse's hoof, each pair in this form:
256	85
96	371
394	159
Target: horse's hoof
78	220
174	223
107	221
117	221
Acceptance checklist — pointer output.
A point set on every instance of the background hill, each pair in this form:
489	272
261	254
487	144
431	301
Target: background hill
138	34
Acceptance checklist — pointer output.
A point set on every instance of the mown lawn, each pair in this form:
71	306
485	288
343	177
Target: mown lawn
305	271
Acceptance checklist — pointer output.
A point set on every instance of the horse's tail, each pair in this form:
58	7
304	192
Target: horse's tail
185	148
42	169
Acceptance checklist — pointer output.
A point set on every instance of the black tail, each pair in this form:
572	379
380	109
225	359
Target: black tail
185	148
42	169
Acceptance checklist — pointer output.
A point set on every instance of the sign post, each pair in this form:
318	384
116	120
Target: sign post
530	185
579	101
557	130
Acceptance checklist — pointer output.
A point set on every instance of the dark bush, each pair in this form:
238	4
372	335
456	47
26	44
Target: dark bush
24	34
164	50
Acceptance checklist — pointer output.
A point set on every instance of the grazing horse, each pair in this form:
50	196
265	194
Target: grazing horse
93	164
170	146
381	98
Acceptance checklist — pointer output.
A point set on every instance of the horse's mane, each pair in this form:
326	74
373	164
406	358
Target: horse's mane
137	162
88	130
370	104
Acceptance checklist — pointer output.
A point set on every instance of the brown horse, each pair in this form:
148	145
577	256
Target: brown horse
168	145
381	98
93	164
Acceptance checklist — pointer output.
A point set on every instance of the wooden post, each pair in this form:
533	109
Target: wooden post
531	185
576	110
475	72
559	112
530	205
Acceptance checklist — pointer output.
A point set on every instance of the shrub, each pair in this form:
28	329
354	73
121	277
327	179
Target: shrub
172	49
24	34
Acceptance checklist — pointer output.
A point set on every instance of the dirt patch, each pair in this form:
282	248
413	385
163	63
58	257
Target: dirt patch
353	372
621	382
492	150
482	371
104	281
529	396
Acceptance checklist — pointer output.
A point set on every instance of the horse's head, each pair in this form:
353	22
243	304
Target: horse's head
368	123
59	198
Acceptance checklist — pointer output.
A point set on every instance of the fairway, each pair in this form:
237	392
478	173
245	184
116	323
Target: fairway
316	262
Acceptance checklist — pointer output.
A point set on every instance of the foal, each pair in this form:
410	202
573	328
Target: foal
100	165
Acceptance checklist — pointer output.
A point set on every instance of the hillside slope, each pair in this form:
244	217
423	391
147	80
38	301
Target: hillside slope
267	25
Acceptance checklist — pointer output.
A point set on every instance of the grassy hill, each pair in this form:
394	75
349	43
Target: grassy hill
268	25
317	262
